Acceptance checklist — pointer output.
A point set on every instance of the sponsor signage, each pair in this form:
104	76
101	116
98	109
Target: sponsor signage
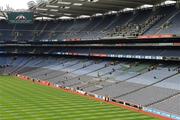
20	17
158	112
156	36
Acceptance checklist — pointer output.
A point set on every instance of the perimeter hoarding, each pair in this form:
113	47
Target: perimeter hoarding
20	17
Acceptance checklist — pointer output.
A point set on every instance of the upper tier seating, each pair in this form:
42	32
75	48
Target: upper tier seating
131	23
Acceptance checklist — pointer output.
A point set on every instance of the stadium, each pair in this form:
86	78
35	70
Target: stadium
90	60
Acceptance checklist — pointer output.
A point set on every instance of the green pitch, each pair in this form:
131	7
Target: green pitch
23	100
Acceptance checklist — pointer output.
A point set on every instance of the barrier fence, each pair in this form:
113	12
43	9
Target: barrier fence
158	112
105	98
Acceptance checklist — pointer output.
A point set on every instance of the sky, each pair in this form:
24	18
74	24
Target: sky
15	4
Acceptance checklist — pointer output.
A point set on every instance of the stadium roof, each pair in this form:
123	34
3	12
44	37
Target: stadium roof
77	8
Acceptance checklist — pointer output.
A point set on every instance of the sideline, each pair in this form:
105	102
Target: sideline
99	100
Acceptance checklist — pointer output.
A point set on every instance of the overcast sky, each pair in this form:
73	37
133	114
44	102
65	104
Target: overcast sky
15	4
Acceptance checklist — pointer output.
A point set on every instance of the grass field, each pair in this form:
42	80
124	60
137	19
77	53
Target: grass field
23	100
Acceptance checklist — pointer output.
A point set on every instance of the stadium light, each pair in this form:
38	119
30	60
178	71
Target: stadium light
146	6
93	0
64	3
54	10
64	7
127	9
43	9
169	2
67	14
65	17
52	6
84	16
77	4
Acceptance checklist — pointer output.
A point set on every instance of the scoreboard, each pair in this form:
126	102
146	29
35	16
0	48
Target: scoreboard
20	17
